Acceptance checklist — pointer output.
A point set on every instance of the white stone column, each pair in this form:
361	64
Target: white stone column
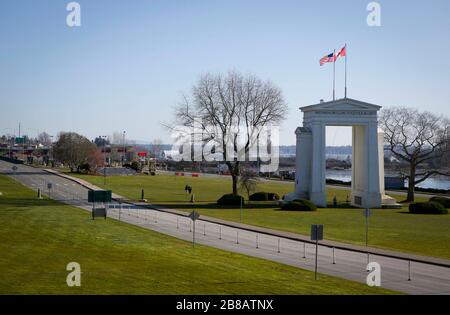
373	199
381	159
317	191
359	165
303	162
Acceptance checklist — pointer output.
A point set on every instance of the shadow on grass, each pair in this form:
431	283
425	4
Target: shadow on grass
427	214
343	205
27	202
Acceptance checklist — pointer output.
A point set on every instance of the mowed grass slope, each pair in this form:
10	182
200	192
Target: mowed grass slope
394	229
38	238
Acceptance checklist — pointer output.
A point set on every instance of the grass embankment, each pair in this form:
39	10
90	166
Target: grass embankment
39	238
394	229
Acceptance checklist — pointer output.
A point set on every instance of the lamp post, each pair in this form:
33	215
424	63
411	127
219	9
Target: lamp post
29	143
51	149
104	159
124	149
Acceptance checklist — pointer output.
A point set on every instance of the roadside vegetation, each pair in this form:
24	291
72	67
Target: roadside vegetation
40	237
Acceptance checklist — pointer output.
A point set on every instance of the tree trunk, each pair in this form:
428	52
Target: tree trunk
234	171
411	180
235	180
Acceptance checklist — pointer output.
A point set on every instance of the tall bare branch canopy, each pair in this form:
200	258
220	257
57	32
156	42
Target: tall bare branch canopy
234	106
416	138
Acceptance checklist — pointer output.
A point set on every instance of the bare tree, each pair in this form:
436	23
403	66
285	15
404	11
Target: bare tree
44	138
95	159
248	181
72	149
156	147
231	108
116	138
416	138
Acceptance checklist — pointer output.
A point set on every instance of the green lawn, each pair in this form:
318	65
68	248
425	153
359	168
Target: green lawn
388	228
38	238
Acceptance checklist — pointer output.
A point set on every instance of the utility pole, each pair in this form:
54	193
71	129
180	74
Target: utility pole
104	160
124	149
241	209
19	137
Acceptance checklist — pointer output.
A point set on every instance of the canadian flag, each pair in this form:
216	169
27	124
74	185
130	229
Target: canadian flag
342	52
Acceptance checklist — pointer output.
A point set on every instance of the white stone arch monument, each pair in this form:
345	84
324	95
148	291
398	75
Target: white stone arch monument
367	152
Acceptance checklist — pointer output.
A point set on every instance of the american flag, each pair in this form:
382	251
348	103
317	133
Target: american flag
327	58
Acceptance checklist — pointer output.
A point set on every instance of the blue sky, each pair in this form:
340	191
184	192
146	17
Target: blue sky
130	61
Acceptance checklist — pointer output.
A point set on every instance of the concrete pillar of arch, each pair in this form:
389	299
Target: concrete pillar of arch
303	162
381	160
373	160
317	192
365	166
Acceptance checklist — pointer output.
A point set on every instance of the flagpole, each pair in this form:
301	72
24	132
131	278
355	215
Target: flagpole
334	73
345	92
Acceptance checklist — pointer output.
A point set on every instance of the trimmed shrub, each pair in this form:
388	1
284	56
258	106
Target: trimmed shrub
429	207
264	196
84	168
299	205
259	196
445	201
273	196
230	200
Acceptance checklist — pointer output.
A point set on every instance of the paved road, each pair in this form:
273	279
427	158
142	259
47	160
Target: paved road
425	279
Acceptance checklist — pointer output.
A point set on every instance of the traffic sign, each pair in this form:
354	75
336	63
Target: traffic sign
99	196
14	168
316	235
49	185
367	213
316	232
194	215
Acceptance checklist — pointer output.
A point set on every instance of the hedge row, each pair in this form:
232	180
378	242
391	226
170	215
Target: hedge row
430	207
299	205
230	200
445	201
264	196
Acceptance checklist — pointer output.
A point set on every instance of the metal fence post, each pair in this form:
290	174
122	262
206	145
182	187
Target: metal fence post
278	244
304	249
409	270
257	241
237	236
334	261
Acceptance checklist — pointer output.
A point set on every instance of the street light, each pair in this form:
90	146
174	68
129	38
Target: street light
51	149
104	159
124	149
29	141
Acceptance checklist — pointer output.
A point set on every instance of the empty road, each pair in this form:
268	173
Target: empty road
425	278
